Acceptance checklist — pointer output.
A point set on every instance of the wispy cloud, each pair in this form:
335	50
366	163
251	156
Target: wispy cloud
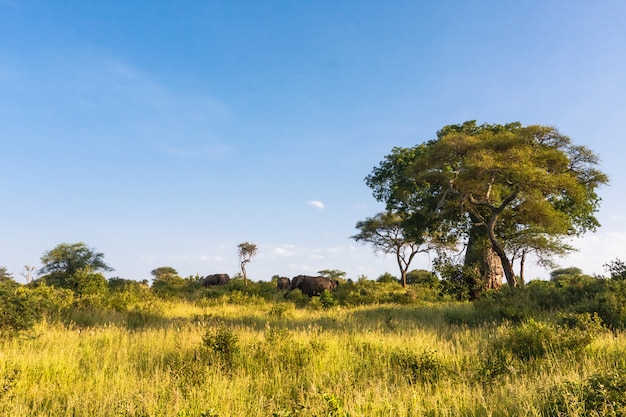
285	251
316	203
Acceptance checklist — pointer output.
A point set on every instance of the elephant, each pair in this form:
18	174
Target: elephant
311	286
283	283
216	279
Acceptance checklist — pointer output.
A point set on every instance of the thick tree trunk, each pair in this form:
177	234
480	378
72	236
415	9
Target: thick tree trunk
506	264
492	269
480	255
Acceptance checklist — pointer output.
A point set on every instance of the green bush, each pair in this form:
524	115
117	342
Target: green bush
601	394
534	339
419	367
459	282
19	309
422	278
327	300
222	343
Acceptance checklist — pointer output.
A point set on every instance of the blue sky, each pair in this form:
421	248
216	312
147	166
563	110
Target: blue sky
166	133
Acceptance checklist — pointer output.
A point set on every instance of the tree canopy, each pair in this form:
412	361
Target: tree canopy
520	188
385	233
67	261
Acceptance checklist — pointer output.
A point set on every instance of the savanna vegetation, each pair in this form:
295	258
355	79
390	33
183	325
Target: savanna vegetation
447	342
370	348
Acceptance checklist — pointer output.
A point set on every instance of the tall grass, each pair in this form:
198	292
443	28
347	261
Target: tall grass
273	359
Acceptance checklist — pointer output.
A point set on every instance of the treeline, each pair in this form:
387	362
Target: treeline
87	298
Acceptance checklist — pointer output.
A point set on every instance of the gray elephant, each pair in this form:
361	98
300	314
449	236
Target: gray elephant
216	279
283	283
311	286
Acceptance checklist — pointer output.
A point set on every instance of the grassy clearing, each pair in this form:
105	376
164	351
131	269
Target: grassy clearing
273	359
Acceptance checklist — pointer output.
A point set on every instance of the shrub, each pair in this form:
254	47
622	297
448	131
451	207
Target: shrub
601	394
19	310
327	300
424	367
386	277
534	339
222	343
460	282
169	286
423	278
280	309
54	302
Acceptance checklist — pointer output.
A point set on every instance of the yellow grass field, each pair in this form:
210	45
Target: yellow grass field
274	359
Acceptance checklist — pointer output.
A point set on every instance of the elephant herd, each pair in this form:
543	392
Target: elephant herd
309	285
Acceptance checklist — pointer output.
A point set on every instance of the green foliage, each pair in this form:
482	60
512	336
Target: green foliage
458	281
222	343
419	367
567	294
5	275
19	310
246	252
164	272
169	286
535	339
423	278
386	277
280	310
125	293
617	270
335	406
601	394
85	282
327	300
364	292
67	259
333	274
528	186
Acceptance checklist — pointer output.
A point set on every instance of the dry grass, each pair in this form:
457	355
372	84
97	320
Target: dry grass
277	360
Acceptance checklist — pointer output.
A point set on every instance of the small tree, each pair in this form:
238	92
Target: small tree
163	272
5	275
167	283
246	252
67	259
386	233
28	273
332	274
617	269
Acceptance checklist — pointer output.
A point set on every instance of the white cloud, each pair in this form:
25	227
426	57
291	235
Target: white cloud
316	203
285	251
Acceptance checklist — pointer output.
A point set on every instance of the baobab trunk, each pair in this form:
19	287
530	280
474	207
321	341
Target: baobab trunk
480	255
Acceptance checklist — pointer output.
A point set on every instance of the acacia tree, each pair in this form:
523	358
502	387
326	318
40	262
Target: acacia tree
498	186
246	252
164	272
67	261
385	232
332	274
